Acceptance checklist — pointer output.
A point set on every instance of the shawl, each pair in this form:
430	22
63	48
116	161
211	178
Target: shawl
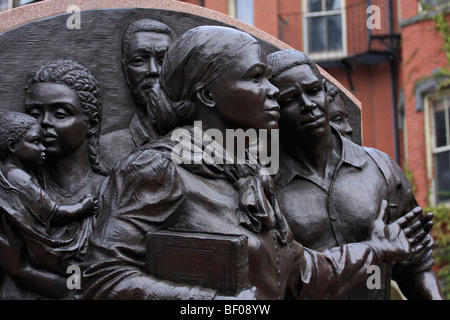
257	206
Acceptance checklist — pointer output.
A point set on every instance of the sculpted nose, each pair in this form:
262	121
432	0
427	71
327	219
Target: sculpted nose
46	121
348	129
153	66
307	104
272	91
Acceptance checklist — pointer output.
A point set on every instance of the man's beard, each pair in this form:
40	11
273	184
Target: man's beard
141	94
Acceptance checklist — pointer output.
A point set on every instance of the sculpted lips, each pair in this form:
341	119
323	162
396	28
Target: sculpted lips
49	137
314	122
274	111
148	84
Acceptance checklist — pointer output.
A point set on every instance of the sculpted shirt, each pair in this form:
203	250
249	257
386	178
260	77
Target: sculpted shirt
118	144
146	191
325	216
144	127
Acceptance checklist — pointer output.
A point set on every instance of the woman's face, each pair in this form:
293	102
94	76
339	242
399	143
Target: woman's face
244	97
58	110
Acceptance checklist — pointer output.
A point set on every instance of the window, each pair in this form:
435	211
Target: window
323	25
241	10
5	5
439	142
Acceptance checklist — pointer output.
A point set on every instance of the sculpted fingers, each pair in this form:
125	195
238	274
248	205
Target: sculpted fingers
405	220
382	214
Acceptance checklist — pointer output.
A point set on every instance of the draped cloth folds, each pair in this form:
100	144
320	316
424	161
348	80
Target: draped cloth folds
29	209
257	205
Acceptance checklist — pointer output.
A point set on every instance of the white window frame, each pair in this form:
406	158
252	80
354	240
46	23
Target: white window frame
326	55
9	5
232	11
431	148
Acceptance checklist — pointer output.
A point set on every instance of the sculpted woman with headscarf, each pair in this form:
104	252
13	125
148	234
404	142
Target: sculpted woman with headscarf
224	73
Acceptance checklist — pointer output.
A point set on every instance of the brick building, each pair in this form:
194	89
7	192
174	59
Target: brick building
377	50
426	104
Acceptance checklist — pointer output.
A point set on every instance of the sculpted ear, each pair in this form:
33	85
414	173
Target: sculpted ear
205	97
11	145
324	85
94	124
125	70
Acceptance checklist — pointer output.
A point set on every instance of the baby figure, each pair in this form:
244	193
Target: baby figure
22	154
49	231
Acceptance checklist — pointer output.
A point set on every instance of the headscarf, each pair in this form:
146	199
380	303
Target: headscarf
198	57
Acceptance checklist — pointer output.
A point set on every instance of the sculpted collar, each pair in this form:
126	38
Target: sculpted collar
141	130
352	154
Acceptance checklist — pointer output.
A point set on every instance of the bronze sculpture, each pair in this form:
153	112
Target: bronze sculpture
65	99
224	73
338	111
348	182
28	208
149	196
145	43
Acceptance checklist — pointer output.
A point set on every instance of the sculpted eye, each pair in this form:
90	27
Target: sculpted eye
286	101
61	113
161	58
137	61
257	77
289	101
314	91
35	113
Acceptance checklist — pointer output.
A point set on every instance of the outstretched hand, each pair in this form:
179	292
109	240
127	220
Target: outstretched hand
418	232
389	241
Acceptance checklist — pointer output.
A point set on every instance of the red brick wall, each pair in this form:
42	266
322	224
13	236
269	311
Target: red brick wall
291	26
217	5
372	86
408	8
266	16
422	53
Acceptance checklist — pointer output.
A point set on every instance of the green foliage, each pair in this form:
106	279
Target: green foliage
409	175
443	26
441	253
444	29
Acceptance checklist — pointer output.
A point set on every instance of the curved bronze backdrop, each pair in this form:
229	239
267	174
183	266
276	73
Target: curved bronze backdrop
33	34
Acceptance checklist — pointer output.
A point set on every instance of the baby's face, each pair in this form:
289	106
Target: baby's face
30	150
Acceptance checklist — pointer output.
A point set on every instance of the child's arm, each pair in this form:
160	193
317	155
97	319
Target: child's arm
67	213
